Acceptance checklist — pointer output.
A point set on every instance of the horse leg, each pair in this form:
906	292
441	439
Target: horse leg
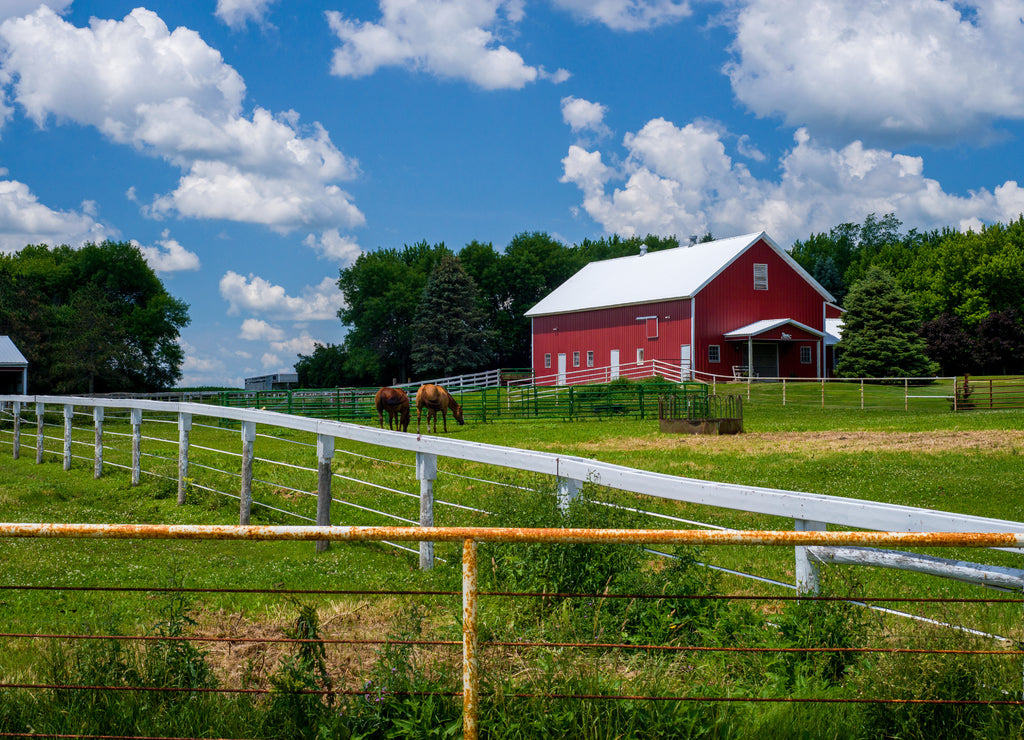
380	414
444	418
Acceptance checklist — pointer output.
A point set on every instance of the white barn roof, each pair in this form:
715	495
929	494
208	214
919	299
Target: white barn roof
10	356
670	274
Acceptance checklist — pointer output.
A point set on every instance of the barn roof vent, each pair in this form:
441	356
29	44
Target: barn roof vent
643	249
693	239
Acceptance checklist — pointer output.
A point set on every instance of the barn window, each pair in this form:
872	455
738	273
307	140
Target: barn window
575	359
640	355
714	353
590	358
805	355
547	359
760	276
651	324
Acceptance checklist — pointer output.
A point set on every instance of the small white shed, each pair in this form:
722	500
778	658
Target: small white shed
13	369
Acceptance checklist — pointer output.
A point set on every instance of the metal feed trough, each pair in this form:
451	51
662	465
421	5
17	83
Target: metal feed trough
700	415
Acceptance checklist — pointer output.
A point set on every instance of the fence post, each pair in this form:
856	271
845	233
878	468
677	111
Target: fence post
136	446
17	429
906	394
470	679
567	491
862	394
69	412
426	472
808	575
641	403
324	456
783	391
97	421
245	494
184	427
823	393
40	414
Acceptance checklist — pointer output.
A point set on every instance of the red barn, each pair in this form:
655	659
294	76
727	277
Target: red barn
716	308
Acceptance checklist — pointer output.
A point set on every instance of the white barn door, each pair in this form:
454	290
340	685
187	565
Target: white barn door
561	369
613	365
685	363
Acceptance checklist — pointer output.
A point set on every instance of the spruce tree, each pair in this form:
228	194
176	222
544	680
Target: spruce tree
880	332
450	332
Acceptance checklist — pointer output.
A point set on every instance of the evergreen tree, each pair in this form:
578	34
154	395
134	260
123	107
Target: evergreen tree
880	332
450	332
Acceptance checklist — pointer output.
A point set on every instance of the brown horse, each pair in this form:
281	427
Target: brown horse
435	398
396	402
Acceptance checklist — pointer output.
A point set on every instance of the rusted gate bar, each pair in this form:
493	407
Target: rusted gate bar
470	679
775	538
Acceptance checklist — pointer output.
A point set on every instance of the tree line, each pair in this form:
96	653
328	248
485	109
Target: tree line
948	302
955	298
91	320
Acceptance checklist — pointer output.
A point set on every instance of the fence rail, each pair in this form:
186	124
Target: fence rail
470	537
807	511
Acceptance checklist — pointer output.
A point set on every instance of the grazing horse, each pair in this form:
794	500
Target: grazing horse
435	398
396	402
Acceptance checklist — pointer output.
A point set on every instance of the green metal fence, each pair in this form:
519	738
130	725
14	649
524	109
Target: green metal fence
614	400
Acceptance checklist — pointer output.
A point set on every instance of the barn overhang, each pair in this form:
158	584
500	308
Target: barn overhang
774	330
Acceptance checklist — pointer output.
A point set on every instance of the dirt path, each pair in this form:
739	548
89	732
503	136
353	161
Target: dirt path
984	441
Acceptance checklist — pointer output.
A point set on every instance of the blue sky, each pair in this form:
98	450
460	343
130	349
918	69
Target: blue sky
253	148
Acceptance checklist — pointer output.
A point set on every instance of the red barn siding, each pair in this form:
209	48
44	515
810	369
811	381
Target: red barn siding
730	302
602	330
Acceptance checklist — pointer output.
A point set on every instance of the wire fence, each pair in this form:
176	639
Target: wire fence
830	657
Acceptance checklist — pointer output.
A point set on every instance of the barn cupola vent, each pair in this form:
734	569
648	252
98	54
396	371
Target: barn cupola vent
643	249
693	240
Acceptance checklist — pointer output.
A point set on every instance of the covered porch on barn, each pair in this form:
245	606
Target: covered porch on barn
13	368
776	348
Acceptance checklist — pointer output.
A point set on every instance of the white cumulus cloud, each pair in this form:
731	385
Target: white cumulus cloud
682	180
236	13
584	116
628	15
303	344
333	245
456	39
254	294
919	70
260	330
168	94
24	220
168	256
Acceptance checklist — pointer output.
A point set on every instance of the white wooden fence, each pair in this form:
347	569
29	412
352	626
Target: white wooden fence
809	511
